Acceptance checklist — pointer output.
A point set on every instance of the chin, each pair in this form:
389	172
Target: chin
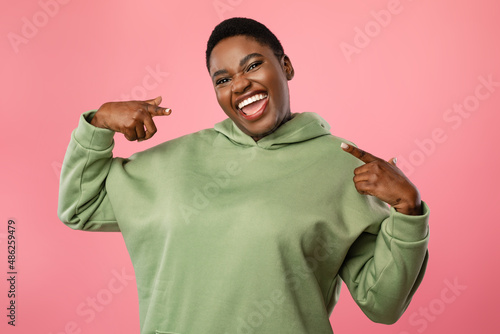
264	129
261	127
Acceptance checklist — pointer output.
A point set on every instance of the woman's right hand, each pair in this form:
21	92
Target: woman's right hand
132	118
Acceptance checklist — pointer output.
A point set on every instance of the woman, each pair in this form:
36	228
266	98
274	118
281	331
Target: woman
248	227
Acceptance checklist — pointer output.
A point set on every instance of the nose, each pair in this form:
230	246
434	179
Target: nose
240	83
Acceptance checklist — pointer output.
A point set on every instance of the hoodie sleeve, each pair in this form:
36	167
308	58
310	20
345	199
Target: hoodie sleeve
383	270
83	201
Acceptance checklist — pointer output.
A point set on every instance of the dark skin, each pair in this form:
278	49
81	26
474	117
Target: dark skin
132	118
384	180
240	67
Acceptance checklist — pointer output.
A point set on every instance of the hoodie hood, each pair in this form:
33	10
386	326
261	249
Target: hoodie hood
303	126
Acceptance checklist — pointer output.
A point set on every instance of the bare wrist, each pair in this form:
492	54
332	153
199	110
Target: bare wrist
96	121
411	207
410	210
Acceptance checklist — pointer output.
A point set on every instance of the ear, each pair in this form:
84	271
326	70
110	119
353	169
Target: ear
287	67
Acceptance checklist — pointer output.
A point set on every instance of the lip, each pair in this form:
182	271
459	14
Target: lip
257	114
246	96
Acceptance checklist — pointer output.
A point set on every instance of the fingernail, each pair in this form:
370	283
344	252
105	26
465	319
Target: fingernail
395	160
168	110
344	146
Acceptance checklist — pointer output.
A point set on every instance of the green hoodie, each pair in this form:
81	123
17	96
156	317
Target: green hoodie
229	236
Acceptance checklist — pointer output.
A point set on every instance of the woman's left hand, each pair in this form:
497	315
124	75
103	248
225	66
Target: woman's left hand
384	180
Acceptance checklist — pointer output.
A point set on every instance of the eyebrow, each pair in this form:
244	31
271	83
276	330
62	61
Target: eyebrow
242	62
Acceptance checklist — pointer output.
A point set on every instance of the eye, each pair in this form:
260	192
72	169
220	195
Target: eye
254	65
221	81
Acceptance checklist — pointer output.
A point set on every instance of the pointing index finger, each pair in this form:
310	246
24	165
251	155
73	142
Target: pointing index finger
155	110
358	153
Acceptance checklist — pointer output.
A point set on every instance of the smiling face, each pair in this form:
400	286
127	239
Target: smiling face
251	84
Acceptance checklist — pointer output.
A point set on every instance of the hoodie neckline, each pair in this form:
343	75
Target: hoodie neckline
303	126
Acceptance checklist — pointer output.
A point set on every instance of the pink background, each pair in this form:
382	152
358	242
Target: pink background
389	98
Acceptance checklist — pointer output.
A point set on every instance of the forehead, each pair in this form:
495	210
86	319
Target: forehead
229	52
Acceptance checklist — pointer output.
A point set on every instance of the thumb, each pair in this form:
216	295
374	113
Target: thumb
393	161
156	101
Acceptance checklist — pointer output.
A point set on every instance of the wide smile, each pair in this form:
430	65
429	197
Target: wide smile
253	106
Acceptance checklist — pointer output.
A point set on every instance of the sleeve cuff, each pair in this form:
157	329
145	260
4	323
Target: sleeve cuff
409	228
92	137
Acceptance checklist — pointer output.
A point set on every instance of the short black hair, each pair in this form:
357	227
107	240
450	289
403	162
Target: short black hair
241	26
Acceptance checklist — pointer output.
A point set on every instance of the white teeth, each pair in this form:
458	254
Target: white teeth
250	100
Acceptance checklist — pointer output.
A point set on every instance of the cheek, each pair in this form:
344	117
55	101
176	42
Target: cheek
219	94
274	80
224	99
283	83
